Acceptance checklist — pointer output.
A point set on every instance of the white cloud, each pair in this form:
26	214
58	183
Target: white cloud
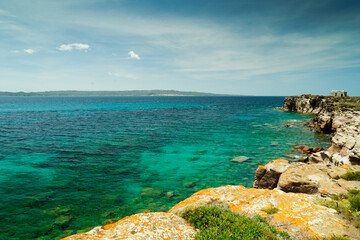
121	75
15	51
133	55
29	51
77	46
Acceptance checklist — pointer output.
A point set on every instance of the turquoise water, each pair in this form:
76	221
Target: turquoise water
70	163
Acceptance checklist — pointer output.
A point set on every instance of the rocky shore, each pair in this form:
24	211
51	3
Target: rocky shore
293	188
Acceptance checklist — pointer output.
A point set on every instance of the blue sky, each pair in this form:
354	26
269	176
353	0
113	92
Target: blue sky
256	47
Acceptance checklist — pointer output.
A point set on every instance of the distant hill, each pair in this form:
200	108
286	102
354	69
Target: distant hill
110	93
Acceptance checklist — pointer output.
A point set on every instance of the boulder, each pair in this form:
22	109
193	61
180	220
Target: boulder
317	149
304	159
320	157
310	179
156	225
307	149
268	176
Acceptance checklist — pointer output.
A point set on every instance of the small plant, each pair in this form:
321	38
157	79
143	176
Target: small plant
270	211
346	204
355	202
337	238
351	176
217	223
353	192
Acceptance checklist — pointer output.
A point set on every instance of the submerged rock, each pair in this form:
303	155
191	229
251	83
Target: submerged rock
240	159
151	193
189	184
63	219
170	194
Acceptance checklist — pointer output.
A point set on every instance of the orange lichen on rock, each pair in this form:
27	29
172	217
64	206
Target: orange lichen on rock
298	214
142	226
280	161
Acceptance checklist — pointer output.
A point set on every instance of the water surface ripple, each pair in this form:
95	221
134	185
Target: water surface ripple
70	163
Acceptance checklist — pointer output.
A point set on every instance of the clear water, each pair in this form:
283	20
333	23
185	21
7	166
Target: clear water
69	163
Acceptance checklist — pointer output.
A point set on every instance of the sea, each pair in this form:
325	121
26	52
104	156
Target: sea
68	164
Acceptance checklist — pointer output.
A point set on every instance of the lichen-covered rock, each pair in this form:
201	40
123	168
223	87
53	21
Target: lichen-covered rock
298	214
142	226
268	176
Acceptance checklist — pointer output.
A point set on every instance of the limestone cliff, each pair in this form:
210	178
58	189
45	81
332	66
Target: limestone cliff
338	115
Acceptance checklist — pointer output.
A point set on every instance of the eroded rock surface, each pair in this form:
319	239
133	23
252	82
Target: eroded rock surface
298	214
310	179
142	226
334	115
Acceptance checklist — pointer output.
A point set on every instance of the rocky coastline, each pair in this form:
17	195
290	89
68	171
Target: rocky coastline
293	188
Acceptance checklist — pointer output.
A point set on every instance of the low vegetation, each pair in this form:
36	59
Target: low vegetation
337	238
270	210
222	224
351	176
346	204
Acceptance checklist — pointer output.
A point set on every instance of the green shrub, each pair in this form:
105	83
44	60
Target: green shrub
270	210
351	176
346	204
355	202
222	224
353	192
337	238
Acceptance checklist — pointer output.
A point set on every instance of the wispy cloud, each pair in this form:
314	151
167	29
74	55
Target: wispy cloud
133	55
5	13
29	51
121	75
71	46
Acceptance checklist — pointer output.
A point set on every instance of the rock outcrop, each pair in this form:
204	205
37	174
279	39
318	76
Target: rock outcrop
157	225
298	214
268	176
338	115
299	177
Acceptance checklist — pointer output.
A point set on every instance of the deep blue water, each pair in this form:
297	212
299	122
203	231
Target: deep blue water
69	163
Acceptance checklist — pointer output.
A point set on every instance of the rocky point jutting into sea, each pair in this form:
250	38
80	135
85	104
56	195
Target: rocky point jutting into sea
294	188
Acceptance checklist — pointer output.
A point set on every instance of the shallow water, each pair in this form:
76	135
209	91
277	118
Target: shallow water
70	163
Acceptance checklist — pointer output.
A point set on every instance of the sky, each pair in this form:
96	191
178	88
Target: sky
242	47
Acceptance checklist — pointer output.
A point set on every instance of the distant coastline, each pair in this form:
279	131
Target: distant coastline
74	93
